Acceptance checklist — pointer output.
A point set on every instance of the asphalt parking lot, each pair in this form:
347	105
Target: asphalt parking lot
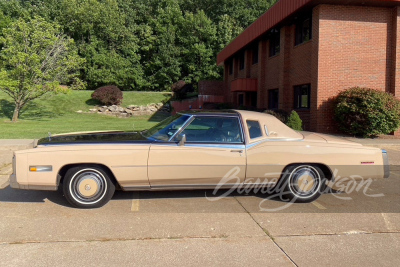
361	227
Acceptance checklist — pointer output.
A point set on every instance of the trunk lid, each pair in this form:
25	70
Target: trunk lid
325	138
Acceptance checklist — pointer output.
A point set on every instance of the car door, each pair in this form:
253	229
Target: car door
214	153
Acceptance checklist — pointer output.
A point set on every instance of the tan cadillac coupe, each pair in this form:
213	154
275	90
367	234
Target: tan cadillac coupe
194	150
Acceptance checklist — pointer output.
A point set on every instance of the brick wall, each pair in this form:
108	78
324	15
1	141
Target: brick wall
262	101
396	52
354	50
350	46
228	80
395	56
273	74
211	88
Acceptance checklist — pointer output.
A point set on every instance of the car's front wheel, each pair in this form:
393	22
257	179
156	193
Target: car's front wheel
88	186
304	183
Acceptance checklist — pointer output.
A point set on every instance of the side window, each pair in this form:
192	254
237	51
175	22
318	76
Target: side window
210	129
254	129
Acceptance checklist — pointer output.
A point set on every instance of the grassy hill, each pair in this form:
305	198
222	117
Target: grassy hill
57	114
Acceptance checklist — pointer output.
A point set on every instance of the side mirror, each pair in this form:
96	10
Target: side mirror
182	139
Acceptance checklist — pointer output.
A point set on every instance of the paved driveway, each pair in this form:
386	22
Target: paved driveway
186	228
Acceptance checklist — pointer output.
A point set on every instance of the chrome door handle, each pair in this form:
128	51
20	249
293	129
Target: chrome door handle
238	151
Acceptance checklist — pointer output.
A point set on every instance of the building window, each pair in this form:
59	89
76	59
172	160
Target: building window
241	60
275	43
303	31
241	100
255	54
230	67
302	96
273	99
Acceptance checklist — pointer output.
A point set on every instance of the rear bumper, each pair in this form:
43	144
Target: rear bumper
386	166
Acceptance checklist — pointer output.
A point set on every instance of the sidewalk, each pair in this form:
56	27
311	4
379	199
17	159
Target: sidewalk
7	148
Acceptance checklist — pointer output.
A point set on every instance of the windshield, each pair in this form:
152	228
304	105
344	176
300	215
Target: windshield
167	128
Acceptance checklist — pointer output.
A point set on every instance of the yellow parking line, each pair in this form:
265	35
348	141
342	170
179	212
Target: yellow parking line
135	202
316	204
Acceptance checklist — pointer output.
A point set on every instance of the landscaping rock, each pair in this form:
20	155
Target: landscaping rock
131	110
113	108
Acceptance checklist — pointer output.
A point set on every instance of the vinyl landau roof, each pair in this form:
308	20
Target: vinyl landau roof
223	112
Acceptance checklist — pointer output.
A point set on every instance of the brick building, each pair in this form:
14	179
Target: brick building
301	53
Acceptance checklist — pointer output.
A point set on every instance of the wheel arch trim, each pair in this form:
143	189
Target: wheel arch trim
63	170
324	168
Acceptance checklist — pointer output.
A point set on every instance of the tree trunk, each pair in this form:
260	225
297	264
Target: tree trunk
16	113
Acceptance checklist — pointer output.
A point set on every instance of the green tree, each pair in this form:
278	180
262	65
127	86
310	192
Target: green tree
197	41
144	44
160	53
35	59
106	40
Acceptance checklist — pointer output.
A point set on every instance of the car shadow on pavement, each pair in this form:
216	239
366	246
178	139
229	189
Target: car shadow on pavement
10	195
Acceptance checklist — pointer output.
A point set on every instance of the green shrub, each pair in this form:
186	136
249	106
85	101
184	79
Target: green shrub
279	114
367	112
108	95
294	121
78	84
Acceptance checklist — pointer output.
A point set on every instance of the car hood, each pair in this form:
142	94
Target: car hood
95	137
325	138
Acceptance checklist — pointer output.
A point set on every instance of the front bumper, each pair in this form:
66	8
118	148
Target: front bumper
14	183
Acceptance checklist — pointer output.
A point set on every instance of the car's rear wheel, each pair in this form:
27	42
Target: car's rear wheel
88	187
304	183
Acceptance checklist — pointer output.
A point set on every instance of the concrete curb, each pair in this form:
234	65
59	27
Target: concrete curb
6	169
5	176
4	181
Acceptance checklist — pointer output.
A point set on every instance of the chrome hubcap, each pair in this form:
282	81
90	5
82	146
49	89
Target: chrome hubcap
88	186
305	181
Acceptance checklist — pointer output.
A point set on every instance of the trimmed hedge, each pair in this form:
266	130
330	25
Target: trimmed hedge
367	112
108	95
294	121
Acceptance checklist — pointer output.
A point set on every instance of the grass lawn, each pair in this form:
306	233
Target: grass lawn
57	114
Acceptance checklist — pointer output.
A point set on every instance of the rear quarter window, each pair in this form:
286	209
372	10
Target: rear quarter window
254	129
